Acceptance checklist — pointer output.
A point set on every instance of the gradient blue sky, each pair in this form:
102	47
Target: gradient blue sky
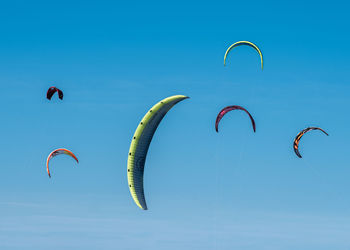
232	190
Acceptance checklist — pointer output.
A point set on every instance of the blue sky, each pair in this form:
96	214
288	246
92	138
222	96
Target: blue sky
232	190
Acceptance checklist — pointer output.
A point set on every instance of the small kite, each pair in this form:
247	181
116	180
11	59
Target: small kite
228	109
240	43
52	90
298	137
56	152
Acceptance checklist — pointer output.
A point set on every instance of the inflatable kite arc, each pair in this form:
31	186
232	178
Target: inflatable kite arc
52	90
56	152
298	137
247	43
140	144
227	109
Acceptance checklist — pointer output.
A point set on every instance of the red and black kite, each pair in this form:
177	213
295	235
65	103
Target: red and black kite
230	108
52	90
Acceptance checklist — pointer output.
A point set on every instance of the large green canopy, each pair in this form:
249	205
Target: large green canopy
140	144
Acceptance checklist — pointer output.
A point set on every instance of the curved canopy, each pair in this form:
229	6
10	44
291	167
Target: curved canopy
298	137
245	43
52	90
58	152
228	109
140	144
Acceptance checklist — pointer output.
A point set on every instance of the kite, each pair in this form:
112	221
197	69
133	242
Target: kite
52	90
228	109
298	137
58	152
248	44
140	144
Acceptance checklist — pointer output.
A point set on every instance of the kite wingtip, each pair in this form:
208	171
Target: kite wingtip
143	207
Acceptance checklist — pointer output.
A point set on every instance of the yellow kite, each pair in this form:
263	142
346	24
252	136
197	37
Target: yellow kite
245	43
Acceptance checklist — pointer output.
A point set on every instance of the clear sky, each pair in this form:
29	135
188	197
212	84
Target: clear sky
205	190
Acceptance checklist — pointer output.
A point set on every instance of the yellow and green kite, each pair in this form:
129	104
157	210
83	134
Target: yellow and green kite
140	144
245	43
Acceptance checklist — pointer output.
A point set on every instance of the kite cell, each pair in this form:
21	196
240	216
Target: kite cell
298	137
58	152
52	90
140	144
228	109
248	44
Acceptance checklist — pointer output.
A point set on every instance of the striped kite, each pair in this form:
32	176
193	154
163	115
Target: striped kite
58	152
298	137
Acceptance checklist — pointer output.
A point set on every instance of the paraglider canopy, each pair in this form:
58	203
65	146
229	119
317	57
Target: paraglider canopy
140	144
